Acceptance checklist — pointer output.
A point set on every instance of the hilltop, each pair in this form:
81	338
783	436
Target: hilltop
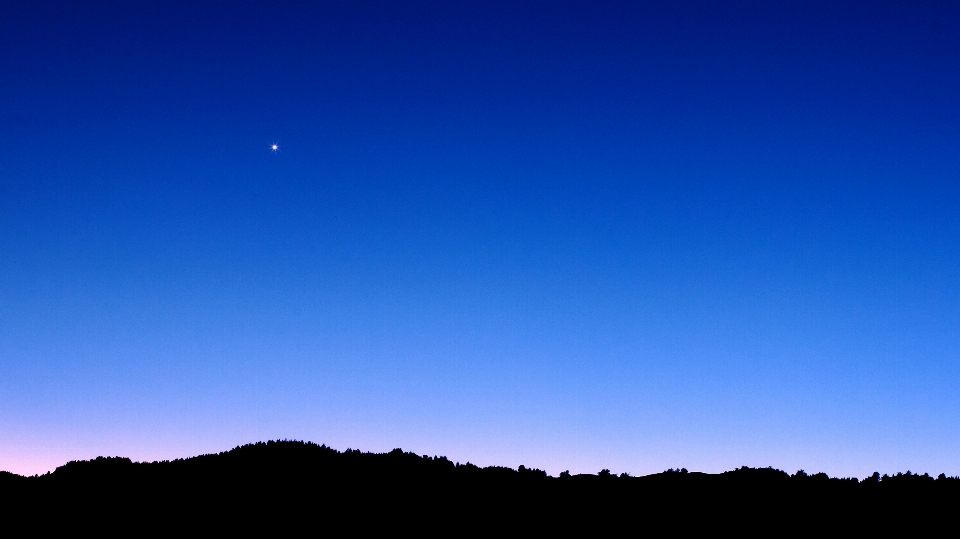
289	484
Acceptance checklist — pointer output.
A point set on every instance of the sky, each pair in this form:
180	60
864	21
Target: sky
574	236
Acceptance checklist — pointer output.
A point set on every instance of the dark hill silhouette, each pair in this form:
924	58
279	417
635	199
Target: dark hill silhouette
304	487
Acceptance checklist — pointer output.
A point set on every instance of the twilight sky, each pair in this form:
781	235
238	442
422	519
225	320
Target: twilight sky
572	236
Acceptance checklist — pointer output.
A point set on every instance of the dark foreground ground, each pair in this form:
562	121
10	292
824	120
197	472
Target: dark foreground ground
314	490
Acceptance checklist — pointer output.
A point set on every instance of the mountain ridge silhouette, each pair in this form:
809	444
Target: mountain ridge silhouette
287	483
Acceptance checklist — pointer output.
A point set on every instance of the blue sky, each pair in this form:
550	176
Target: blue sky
569	235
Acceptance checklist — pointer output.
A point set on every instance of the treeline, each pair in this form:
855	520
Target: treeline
302	486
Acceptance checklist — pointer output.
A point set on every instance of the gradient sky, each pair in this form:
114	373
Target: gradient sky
573	236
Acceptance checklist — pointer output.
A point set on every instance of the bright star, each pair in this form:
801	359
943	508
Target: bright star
274	147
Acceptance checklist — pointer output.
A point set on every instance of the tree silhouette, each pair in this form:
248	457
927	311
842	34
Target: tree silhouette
297	486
